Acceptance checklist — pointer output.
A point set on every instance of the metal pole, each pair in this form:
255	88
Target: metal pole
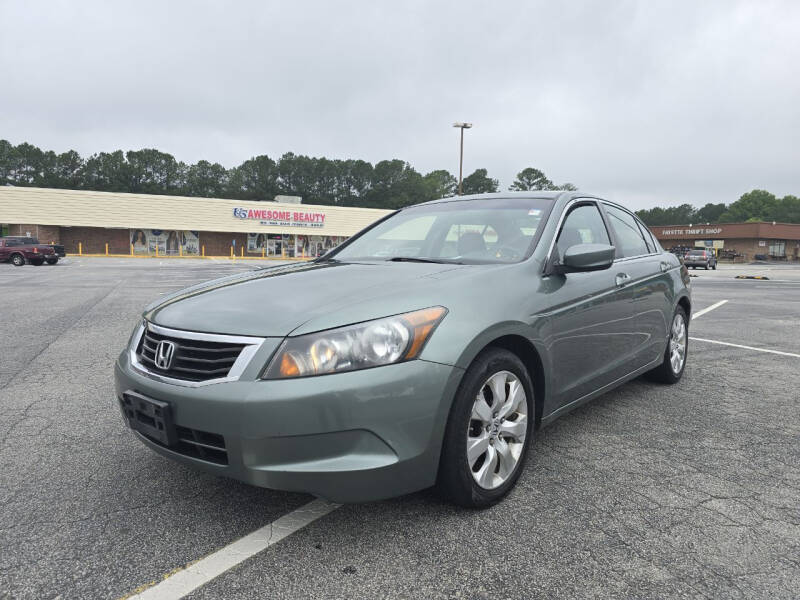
462	127
461	164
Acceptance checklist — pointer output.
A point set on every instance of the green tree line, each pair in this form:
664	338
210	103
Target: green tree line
757	205
386	184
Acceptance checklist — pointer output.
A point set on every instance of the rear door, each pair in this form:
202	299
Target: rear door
3	250
640	264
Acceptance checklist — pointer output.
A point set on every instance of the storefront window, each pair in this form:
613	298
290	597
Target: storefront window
777	248
165	242
291	246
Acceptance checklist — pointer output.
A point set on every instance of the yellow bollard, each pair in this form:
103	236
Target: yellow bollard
232	254
106	248
204	250
180	251
80	249
156	249
242	251
263	251
131	249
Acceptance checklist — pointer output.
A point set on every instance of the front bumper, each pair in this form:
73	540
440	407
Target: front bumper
348	437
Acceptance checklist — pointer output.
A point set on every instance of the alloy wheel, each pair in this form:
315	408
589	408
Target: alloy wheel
497	429
677	343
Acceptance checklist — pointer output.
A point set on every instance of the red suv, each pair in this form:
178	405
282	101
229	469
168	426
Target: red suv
19	250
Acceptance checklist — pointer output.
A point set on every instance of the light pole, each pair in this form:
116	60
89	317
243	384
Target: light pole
462	127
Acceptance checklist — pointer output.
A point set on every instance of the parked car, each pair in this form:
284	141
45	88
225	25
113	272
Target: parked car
57	248
372	372
19	250
700	258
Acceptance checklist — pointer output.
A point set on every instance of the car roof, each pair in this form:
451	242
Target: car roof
538	194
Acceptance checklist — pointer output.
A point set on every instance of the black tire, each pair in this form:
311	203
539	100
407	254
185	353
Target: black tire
706	267
455	480
17	260
38	262
664	373
715	266
52	261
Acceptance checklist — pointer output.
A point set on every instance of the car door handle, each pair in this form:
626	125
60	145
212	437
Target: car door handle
622	279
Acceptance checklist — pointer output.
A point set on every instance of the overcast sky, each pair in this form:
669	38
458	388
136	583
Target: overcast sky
644	102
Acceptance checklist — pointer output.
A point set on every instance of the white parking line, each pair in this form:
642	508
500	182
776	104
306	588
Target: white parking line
694	339
204	570
708	309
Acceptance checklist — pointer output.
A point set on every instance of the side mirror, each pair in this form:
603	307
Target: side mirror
586	257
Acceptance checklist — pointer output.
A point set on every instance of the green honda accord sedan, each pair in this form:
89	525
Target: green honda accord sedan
425	351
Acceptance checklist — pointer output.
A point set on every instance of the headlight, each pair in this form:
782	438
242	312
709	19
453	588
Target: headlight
371	344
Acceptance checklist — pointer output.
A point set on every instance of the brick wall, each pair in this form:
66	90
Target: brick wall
45	233
94	240
219	244
746	246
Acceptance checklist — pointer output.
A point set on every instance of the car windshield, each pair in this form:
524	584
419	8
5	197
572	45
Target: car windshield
496	230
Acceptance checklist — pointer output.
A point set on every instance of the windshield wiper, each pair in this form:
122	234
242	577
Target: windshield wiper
423	260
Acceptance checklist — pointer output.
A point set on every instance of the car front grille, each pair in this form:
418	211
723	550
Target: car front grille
194	443
192	360
202	445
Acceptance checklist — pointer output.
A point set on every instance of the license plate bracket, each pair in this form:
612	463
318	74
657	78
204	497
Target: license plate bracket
150	417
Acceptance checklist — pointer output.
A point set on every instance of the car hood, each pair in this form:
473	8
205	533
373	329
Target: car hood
275	301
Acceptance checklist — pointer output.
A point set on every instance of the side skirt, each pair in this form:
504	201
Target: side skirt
599	392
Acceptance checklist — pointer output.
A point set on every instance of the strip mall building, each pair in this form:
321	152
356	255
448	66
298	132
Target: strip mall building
743	241
177	225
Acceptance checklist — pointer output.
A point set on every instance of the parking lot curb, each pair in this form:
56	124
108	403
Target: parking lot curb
751	277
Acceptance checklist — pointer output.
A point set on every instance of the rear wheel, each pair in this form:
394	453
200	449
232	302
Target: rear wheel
17	260
671	369
489	431
52	261
37	262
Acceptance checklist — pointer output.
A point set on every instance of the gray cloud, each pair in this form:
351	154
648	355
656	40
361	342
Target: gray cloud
644	102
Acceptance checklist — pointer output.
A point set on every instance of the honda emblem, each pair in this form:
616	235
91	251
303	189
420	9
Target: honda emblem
165	352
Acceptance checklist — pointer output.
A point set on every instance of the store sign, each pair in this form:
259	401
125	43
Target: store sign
283	218
696	231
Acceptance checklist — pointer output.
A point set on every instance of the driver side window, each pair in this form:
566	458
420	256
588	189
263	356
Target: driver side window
583	225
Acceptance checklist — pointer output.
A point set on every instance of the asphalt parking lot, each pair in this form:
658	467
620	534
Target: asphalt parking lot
648	492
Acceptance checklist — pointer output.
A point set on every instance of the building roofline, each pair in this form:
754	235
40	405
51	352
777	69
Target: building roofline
718	224
175	197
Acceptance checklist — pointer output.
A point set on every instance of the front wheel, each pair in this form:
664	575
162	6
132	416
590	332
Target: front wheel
18	260
671	369
489	431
